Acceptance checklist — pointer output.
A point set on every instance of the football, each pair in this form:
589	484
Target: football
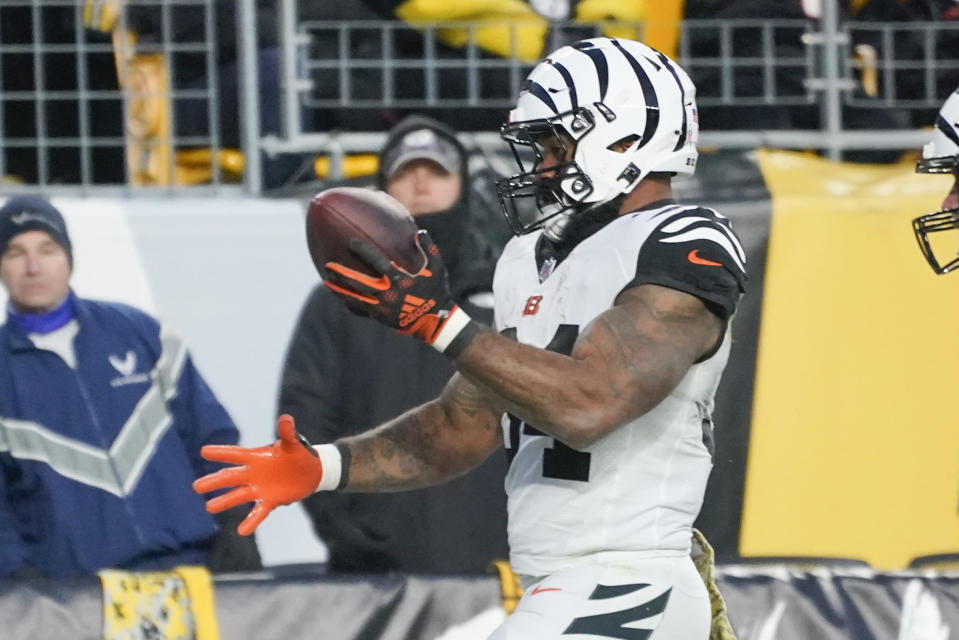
336	216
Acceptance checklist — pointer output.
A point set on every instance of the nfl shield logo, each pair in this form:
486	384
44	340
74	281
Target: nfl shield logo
546	270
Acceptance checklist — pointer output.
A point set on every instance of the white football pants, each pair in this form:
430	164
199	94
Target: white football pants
653	599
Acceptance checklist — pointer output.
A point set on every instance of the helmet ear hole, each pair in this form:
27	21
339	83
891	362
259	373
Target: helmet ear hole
623	144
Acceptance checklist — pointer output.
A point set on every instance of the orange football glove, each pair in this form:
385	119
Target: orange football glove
271	476
417	304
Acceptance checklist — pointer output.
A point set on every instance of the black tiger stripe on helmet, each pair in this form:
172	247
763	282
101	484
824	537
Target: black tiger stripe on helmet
682	92
949	129
568	79
649	94
540	92
599	61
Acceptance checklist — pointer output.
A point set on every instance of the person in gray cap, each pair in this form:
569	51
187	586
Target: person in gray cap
423	166
102	415
333	361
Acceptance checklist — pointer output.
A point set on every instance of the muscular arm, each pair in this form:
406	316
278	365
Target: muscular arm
431	443
623	364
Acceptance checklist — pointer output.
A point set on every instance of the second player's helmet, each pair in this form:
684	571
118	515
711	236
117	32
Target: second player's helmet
615	110
941	155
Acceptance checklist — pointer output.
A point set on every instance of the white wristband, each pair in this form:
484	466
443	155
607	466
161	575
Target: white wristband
331	462
451	328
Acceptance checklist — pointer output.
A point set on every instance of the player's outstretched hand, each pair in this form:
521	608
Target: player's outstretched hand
416	304
271	476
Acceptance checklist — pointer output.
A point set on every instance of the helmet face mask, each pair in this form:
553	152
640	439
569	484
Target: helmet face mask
540	192
946	164
941	156
608	112
924	226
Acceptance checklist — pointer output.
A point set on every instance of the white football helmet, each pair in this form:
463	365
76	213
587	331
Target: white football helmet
626	109
940	156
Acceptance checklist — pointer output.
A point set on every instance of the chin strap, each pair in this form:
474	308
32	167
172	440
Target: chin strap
555	227
571	228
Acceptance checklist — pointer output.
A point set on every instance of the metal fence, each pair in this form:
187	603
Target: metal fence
198	96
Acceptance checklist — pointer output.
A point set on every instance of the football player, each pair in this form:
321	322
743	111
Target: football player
613	307
941	155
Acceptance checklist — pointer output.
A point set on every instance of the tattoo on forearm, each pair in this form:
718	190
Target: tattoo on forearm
432	442
473	401
467	398
397	452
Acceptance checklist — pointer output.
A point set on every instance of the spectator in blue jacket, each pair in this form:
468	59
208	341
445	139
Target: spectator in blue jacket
102	416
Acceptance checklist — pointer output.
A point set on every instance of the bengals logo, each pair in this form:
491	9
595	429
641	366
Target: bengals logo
532	305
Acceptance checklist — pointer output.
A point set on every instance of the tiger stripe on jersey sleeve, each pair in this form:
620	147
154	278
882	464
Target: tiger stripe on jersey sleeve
695	250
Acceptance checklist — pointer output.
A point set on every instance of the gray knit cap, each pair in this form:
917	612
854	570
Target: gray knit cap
32	213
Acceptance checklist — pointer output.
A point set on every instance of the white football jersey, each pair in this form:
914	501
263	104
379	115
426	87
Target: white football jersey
635	492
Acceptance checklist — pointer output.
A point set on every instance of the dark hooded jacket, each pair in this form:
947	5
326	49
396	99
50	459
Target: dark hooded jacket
344	374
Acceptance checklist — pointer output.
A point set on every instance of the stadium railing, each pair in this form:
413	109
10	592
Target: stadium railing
821	84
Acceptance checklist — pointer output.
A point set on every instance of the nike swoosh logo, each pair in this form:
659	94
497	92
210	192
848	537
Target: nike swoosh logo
542	589
695	259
